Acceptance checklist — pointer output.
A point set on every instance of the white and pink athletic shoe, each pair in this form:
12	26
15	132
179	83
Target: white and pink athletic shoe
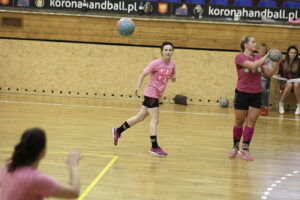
246	155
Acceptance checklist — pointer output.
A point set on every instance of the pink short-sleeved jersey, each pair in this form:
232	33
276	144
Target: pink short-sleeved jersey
25	183
160	73
249	81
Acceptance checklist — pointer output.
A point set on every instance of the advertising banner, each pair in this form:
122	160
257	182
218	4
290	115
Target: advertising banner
196	11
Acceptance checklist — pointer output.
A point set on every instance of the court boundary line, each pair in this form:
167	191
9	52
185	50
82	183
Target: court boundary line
116	44
98	178
120	108
95	180
276	183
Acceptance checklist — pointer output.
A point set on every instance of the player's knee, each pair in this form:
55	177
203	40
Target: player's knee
154	122
239	122
140	118
251	122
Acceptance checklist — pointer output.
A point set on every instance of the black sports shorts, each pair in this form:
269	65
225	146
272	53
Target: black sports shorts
242	100
150	102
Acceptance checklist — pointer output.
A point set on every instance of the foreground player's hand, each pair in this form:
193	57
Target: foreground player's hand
73	158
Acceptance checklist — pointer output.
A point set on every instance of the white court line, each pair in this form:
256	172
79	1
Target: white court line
120	108
270	189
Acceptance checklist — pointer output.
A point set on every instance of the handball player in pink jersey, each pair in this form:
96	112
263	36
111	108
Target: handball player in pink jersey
160	70
20	179
247	100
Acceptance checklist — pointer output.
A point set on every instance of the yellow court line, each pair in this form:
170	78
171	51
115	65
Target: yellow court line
66	153
97	179
84	154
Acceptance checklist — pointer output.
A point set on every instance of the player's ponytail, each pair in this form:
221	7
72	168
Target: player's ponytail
33	142
244	41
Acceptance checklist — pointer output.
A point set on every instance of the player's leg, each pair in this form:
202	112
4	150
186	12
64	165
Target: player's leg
286	92
241	110
142	114
154	120
253	113
297	95
240	116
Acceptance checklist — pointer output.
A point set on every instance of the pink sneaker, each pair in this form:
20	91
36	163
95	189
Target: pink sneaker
233	153
245	155
116	135
158	151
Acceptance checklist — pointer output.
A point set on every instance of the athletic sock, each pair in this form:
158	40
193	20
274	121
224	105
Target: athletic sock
237	134
247	136
123	127
154	141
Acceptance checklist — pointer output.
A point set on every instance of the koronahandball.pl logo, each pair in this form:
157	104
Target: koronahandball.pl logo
39	3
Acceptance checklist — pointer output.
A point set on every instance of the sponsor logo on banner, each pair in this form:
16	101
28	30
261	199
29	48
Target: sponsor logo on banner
198	11
148	8
182	10
162	8
103	5
39	3
4	2
145	8
23	3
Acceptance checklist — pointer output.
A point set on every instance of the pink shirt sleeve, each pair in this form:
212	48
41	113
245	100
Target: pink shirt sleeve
151	67
44	185
240	59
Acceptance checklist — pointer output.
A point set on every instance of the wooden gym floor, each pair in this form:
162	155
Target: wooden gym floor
197	138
